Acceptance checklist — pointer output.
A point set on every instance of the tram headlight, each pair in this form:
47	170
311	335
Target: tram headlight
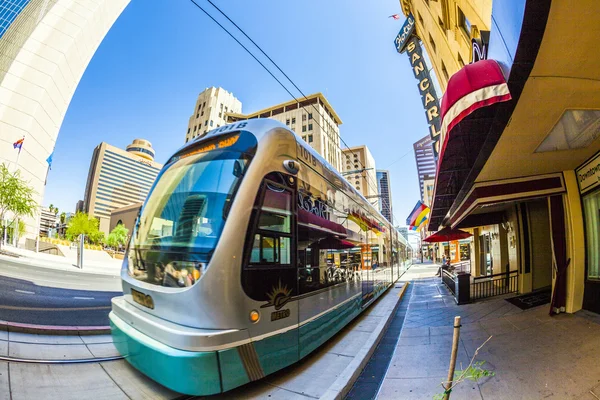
254	316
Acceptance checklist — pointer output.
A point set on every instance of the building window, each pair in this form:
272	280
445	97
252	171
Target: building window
464	23
310	138
225	108
591	205
206	123
221	106
303	117
441	23
355	165
188	130
460	61
287	121
220	115
309	115
211	122
432	43
420	18
304	138
303	128
204	104
195	128
202	113
293	120
310	127
197	115
199	107
445	71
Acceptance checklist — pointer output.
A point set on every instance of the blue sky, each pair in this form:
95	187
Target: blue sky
146	75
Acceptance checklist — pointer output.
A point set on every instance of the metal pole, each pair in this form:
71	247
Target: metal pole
80	251
37	236
15	231
452	358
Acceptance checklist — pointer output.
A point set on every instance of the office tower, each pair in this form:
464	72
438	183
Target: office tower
118	178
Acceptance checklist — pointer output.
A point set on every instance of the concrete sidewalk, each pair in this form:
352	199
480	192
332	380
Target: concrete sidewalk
533	355
327	373
92	263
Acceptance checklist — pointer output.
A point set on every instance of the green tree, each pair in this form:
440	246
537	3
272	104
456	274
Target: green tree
53	209
118	236
80	224
63	217
16	196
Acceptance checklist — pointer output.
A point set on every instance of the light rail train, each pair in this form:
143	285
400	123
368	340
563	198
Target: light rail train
249	253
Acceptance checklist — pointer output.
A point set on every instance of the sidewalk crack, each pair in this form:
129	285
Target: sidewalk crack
116	384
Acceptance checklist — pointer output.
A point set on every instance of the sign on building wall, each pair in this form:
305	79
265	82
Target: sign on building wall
479	46
428	96
405	33
588	175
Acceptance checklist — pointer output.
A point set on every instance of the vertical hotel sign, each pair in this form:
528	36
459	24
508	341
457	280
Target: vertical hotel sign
407	41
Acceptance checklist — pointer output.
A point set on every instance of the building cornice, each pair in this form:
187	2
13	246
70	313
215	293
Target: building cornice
319	96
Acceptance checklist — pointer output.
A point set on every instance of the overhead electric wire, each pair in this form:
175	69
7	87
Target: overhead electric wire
276	79
244	47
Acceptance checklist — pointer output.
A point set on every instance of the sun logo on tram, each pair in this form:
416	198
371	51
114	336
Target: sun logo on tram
278	296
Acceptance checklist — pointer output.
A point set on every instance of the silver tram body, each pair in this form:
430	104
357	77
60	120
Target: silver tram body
250	252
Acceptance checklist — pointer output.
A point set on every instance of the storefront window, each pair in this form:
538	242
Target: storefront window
591	205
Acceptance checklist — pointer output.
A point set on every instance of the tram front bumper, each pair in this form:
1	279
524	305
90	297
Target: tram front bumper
193	373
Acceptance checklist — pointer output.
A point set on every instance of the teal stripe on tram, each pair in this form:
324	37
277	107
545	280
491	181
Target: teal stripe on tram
317	332
233	373
277	352
182	371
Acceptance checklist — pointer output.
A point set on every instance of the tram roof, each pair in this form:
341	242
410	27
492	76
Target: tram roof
259	127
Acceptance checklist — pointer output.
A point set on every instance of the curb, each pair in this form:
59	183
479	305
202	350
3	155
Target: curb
342	385
54	329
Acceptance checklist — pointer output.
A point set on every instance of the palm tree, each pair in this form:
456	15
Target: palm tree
63	217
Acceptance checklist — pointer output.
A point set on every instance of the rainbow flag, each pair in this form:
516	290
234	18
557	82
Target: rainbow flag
417	216
18	144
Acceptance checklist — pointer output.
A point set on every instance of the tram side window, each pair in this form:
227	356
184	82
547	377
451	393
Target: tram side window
270	250
272	240
270	244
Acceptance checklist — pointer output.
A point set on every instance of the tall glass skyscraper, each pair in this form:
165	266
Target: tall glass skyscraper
9	10
385	194
426	166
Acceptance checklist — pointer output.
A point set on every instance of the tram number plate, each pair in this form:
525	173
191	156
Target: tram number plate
143	299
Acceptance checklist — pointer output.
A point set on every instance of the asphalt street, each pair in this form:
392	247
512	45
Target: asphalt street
44	296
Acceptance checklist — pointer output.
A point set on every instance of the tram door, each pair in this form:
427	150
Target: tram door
367	272
270	275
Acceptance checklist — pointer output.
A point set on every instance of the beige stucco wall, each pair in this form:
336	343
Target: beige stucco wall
41	77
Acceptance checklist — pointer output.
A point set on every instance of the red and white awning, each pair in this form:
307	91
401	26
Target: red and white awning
475	86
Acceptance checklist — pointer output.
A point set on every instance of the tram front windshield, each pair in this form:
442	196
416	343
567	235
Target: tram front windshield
183	217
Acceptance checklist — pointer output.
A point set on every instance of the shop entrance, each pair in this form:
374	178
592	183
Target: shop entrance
540	246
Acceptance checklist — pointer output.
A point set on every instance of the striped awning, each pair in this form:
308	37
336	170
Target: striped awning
474	86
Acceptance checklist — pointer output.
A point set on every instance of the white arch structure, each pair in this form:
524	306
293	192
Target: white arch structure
43	55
